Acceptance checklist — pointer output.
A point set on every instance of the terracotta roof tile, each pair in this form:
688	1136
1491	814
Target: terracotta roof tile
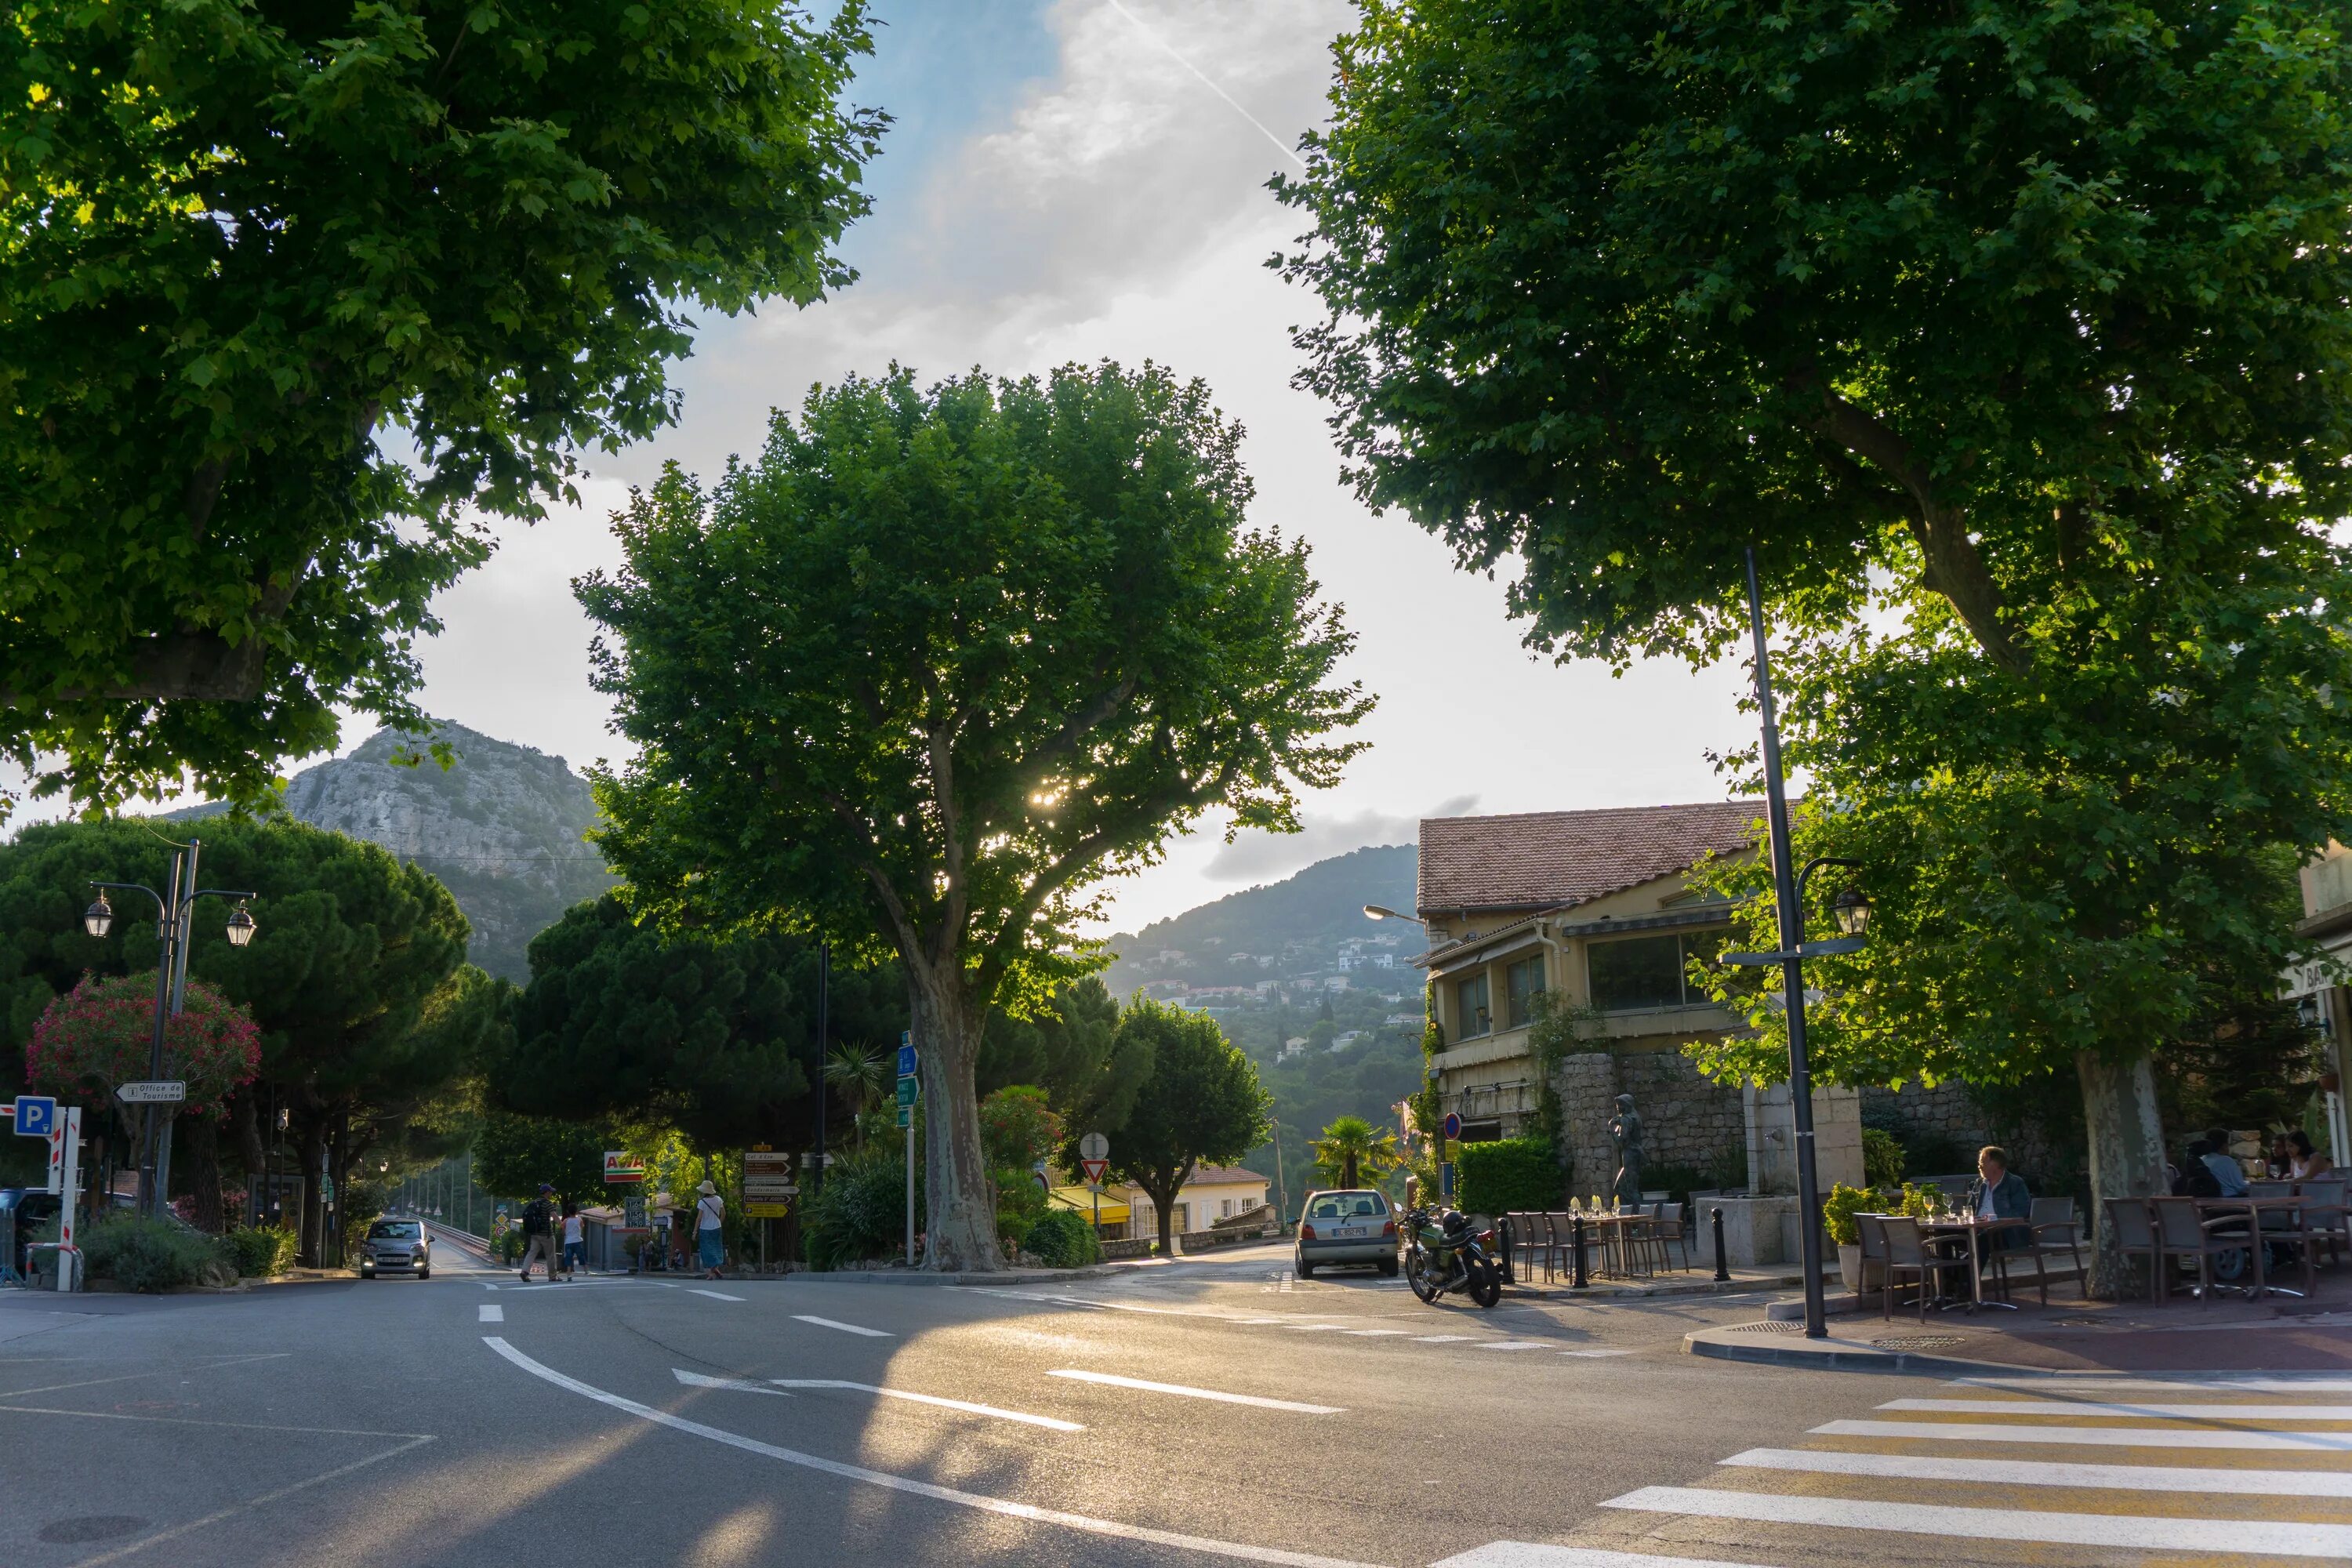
1543	859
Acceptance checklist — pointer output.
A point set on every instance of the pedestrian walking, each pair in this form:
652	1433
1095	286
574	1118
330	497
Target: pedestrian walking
710	1232
575	1245
539	1233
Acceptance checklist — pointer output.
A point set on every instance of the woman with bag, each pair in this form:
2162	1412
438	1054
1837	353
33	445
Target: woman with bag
709	1234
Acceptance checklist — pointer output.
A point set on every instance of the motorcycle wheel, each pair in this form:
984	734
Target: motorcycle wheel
1486	1286
1416	1273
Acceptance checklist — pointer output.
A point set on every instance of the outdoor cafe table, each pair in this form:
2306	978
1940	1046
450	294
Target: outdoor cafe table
2288	1203
1971	1226
1615	1231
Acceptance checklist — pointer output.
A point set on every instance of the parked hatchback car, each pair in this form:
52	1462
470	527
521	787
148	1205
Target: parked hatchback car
397	1246
1354	1224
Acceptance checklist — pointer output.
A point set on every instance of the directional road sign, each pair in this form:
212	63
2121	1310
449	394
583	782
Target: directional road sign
152	1091
36	1114
1094	1147
1094	1170
909	1091
905	1116
906	1058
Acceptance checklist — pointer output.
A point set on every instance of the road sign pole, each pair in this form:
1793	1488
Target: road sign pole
906	1065
69	1173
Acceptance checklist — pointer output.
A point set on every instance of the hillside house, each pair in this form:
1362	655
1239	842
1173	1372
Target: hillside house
1596	906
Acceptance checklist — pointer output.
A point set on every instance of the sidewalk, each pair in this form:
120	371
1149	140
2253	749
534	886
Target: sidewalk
2071	1336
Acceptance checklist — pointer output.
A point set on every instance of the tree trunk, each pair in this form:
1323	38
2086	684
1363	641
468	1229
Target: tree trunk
311	1151
961	1222
201	1135
338	1222
2126	1147
1162	1186
245	1123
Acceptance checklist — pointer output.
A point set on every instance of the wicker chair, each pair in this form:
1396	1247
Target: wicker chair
1906	1253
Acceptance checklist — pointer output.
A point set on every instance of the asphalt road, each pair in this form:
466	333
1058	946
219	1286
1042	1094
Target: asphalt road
1186	1415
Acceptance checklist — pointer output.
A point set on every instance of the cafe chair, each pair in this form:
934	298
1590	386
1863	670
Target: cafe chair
2056	1230
1907	1253
1870	1230
2324	1211
2135	1233
2184	1231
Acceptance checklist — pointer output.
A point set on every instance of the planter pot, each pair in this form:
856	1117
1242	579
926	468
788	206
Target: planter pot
1849	1266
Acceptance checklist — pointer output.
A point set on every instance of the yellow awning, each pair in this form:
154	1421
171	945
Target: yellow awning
1113	1211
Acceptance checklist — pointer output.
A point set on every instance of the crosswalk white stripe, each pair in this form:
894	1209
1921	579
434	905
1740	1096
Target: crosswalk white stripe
2181	1383
2104	1530
1596	1354
1114	1381
1442	1339
1516	1345
1528	1555
2217	1411
844	1327
1372	1334
2042	1473
2095	1437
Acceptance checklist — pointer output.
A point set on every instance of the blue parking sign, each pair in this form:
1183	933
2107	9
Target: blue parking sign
37	1115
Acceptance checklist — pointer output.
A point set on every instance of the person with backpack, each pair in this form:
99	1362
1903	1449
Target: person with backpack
539	1233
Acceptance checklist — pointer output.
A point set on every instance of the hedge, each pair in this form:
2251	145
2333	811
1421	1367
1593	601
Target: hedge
1505	1174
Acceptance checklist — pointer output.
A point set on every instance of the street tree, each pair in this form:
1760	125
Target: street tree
1064	1048
513	1155
937	665
713	1035
292	297
2007	338
1201	1104
1352	1152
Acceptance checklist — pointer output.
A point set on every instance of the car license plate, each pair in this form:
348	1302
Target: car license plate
1347	1231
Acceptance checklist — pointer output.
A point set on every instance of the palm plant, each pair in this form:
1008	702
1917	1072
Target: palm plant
1353	1152
861	1075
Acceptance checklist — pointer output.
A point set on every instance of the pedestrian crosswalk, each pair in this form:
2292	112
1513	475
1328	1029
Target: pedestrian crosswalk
2143	1470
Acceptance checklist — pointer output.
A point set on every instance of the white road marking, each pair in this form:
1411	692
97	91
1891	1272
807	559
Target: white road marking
998	1506
844	1327
739	1384
1318	1328
2217	1412
1442	1339
723	1296
2111	1530
487	1286
1372	1333
491	1314
2042	1473
2095	1437
1517	1345
2182	1383
1596	1354
1048	1421
1114	1381
1526	1554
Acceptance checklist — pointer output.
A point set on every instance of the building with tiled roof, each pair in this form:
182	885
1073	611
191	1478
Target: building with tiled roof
1595	907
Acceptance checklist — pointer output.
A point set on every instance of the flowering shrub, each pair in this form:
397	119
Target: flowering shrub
98	1035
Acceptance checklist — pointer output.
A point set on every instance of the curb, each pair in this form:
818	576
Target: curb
1881	1361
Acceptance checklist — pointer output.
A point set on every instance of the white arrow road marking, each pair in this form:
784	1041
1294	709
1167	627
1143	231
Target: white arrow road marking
718	1295
1114	1381
2196	1536
2042	1473
1000	1507
1050	1423
1523	1554
491	1314
2094	1437
740	1385
844	1327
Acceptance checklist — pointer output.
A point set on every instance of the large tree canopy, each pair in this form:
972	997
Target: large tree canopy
283	288
2027	323
937	665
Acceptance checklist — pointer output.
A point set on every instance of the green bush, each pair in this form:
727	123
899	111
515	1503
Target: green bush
861	1210
261	1253
1505	1174
506	1246
1062	1240
154	1255
1882	1158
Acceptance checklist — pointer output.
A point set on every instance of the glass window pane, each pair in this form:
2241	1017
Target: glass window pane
1641	972
1470	1001
1522	983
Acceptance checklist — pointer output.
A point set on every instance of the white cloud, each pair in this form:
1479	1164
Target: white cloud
1258	856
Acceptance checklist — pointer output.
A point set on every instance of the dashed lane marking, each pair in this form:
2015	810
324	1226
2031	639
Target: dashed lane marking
844	1327
1516	1345
1000	1507
1596	1354
723	1296
1442	1338
1113	1381
493	1314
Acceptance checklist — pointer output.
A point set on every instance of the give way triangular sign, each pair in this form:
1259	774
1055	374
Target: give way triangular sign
1094	1170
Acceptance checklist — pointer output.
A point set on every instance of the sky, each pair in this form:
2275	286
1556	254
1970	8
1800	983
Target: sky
1081	179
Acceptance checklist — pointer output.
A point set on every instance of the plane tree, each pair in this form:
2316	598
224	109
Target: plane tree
937	665
2010	339
294	298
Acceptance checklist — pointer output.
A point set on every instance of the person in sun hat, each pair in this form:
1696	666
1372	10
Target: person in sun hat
710	1230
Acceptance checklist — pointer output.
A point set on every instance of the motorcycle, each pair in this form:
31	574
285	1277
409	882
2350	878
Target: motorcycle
1443	1254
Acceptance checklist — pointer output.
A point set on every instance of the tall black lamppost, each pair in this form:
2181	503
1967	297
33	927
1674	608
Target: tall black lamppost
174	919
1789	892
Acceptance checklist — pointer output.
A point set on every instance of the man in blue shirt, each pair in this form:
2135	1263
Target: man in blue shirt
2229	1175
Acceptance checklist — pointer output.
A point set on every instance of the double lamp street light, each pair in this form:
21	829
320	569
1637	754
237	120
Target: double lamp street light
175	918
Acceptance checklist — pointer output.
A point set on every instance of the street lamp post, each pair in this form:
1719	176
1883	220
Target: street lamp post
173	917
1788	890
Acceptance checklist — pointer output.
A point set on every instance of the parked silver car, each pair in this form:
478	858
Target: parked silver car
1351	1225
397	1246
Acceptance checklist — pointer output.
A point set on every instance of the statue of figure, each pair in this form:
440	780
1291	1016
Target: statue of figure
1625	1127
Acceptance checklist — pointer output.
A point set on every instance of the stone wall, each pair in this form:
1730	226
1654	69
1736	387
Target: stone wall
1947	1111
1686	1118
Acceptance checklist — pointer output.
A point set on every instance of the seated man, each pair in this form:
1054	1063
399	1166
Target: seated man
2230	1174
1999	1192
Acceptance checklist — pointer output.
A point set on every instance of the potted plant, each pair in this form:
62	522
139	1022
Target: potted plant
1837	1217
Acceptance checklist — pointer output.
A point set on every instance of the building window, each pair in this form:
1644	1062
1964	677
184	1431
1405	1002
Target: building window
1648	972
1522	983
1470	1007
